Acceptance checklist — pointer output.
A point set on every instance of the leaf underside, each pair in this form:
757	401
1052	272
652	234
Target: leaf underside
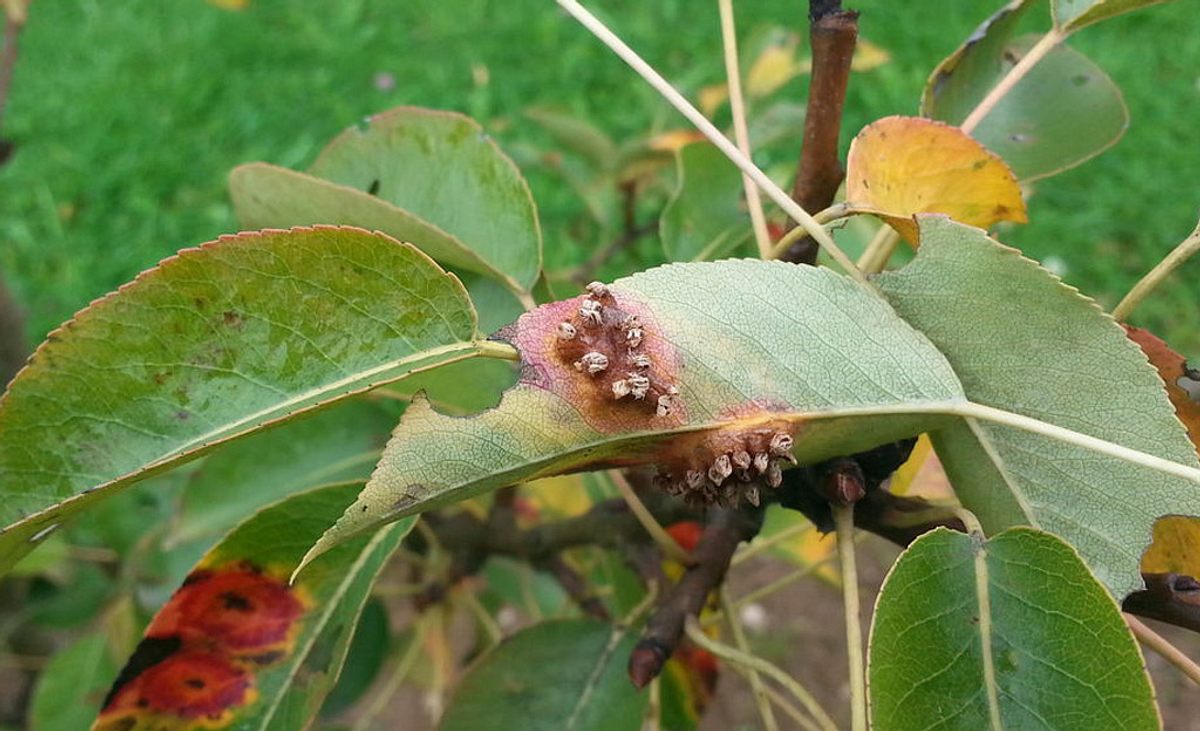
1064	112
847	375
1022	341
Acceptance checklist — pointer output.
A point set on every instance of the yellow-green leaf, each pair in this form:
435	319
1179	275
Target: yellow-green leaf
901	166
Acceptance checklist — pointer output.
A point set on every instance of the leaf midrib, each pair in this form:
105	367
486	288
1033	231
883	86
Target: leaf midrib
203	443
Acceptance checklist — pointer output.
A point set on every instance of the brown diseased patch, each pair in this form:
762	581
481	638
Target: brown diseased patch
731	464
603	353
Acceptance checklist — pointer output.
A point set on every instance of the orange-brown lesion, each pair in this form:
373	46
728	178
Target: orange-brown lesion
604	353
225	623
727	465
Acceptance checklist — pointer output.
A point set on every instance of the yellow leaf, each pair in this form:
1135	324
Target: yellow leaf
1175	548
672	140
230	4
806	547
712	97
868	56
922	475
557	497
901	166
773	68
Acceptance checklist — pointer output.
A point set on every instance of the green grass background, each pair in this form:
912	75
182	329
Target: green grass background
128	116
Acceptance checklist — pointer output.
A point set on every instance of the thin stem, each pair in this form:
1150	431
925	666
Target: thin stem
875	257
664	540
496	349
652	720
791	711
758	545
525	298
756	685
1024	423
1163	648
832	213
677	100
1044	46
843	518
737	106
403	668
738	658
1155	276
490	627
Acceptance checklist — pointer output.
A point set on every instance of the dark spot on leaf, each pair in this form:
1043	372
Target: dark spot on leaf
1018	137
373	188
196	683
1081	79
182	415
235	601
979	164
232	319
150	651
200	303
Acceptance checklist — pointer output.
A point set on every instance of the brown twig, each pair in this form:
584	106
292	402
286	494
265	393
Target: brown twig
471	540
725	530
834	33
8	61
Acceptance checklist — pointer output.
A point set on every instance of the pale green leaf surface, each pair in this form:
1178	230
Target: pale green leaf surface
217	342
566	675
1011	633
269	196
289	688
705	217
1072	15
1022	341
443	168
1064	112
820	356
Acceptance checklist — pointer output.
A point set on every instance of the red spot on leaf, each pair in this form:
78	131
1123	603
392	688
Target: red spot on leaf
236	609
188	685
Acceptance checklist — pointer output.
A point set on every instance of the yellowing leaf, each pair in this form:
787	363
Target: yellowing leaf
559	497
806	547
1171	367
712	97
230	4
1176	545
773	68
922	475
901	166
1175	548
673	140
868	56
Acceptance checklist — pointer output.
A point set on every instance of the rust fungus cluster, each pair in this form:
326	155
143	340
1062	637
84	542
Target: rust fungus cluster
197	663
725	467
609	347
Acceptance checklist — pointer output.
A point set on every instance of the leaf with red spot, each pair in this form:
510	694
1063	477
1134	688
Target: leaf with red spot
225	649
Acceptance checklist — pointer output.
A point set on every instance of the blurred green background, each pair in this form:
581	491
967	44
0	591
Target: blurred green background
128	116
